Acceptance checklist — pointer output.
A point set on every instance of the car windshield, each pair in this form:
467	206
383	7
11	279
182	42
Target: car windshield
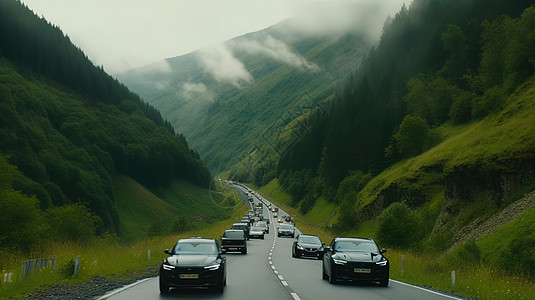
310	240
262	223
286	226
356	246
233	234
256	228
195	248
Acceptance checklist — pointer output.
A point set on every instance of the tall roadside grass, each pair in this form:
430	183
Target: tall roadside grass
472	280
105	256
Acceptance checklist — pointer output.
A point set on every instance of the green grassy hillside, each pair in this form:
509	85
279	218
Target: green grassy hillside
140	208
504	137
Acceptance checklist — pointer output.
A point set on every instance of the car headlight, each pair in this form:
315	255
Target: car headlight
382	263
168	267
339	261
300	247
212	267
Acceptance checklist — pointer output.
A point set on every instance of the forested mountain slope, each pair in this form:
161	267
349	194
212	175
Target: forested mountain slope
225	98
433	135
68	128
458	68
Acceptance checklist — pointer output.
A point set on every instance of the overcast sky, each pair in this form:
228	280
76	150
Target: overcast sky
126	34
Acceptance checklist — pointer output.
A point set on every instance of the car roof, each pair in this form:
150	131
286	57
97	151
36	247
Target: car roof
308	235
234	230
239	224
196	240
353	239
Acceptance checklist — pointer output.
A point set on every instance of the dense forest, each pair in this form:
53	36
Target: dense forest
66	129
437	62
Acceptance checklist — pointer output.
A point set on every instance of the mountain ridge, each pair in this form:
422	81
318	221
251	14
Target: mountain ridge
275	64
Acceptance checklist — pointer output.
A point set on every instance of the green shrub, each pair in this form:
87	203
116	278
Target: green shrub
155	229
72	222
180	225
399	226
519	256
66	270
468	253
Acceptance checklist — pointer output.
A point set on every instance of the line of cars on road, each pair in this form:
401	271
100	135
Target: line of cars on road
198	262
251	226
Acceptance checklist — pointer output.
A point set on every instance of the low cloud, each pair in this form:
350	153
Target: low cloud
222	64
277	50
324	17
196	92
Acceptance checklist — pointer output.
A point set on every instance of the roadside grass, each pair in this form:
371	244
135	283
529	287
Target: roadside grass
106	256
472	279
475	281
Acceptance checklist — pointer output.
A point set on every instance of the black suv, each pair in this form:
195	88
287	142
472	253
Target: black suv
234	240
194	262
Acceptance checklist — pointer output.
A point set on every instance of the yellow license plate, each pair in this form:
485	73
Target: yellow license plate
357	270
189	276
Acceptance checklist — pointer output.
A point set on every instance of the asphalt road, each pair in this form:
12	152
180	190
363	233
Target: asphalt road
269	272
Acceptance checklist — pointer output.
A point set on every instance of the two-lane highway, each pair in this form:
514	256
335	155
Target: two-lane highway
269	272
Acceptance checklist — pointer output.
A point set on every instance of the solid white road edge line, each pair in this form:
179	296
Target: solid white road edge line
424	289
123	288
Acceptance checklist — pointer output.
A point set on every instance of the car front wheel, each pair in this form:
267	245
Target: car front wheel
324	274
164	288
332	278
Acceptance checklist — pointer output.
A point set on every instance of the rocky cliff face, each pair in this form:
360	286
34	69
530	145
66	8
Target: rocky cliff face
477	198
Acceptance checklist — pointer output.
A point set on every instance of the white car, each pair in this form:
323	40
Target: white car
256	232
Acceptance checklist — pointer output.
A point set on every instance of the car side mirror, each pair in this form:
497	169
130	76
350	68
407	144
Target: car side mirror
167	251
382	251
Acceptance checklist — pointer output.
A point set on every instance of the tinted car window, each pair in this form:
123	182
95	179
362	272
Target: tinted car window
233	234
286	226
239	226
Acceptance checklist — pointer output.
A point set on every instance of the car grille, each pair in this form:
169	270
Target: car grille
205	277
348	271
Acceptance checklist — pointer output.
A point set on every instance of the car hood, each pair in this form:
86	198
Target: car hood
191	260
358	256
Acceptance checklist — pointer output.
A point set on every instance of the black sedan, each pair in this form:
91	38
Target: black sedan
194	262
308	246
355	259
